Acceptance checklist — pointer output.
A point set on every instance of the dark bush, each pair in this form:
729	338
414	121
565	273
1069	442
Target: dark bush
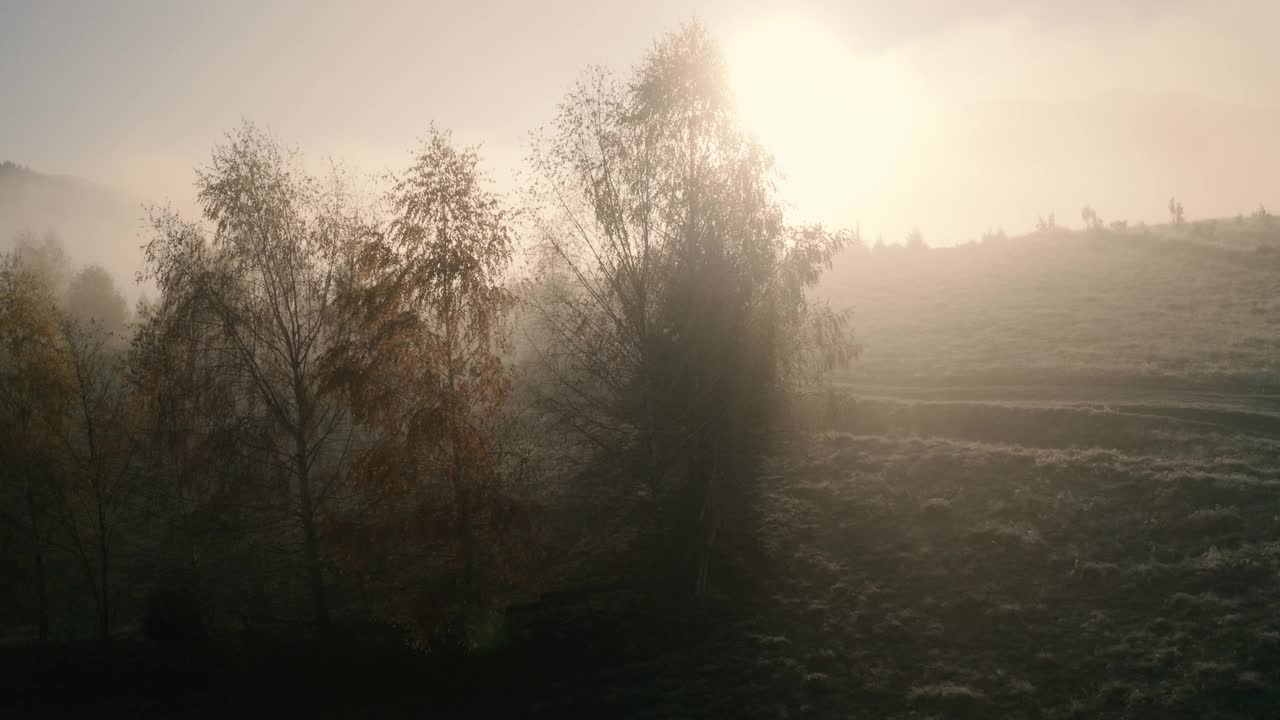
173	618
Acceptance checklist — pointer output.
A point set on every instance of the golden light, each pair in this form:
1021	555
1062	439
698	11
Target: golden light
841	126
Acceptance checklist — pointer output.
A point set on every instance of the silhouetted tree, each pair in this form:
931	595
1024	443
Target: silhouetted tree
687	309
270	276
1175	212
97	485
187	413
422	365
35	385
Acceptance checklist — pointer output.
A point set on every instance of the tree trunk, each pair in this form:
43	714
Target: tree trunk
193	555
706	525
463	500
302	465
42	595
104	604
37	544
309	542
651	433
461	493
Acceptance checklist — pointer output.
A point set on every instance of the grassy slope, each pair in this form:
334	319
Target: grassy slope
1070	306
1050	492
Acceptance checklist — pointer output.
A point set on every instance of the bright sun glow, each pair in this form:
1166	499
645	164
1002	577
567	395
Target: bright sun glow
841	126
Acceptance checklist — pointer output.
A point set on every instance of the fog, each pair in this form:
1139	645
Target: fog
1016	109
680	359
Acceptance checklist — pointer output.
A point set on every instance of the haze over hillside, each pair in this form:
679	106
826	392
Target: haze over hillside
956	117
1124	154
97	225
1005	163
721	358
1193	304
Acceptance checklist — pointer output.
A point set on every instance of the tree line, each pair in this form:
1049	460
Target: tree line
320	415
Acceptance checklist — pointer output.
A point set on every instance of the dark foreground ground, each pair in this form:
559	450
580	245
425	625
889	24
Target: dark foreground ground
985	553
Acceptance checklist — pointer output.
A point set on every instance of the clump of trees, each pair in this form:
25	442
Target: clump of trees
313	421
64	415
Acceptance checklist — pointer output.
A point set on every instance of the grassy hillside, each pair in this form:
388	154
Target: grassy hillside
1048	489
1187	305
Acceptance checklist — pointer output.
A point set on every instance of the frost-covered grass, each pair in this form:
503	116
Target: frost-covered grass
1131	573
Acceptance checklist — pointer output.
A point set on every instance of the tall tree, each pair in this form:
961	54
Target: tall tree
423	364
687	307
188	415
35	384
270	275
95	490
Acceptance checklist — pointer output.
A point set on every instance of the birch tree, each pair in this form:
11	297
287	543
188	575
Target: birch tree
686	310
269	273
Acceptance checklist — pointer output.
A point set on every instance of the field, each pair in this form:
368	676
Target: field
943	558
1126	569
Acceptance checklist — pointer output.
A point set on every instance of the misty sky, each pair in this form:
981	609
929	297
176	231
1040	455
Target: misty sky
987	113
